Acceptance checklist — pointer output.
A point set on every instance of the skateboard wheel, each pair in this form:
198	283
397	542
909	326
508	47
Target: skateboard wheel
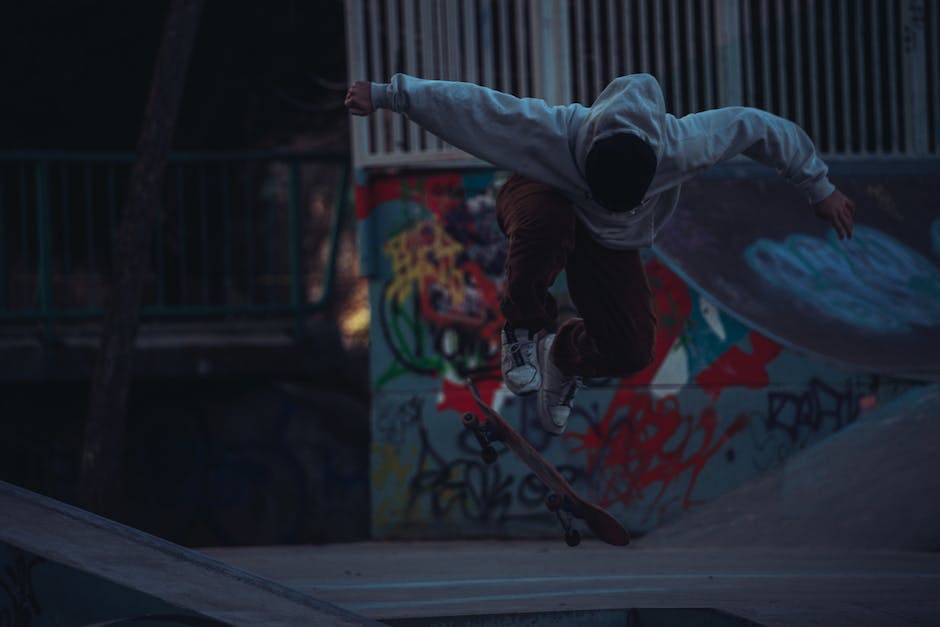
489	454
469	419
572	537
553	502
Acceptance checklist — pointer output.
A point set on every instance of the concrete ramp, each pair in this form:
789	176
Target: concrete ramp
60	565
871	303
873	485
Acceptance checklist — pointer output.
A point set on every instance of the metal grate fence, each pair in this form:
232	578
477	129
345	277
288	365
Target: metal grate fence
861	76
237	235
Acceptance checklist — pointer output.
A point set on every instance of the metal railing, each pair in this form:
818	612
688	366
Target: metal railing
249	234
861	76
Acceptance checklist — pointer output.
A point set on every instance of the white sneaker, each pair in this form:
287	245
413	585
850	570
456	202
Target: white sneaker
520	364
556	394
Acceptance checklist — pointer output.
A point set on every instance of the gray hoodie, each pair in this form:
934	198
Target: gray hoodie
551	143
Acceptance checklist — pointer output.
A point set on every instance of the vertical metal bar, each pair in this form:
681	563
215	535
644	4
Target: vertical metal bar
24	231
90	235
454	52
861	39
43	234
522	51
916	79
797	45
659	35
934	47
181	234
596	56
376	73
428	58
645	35
693	102
813	64
411	40
66	234
728	44
160	250
766	75
357	70
829	80
708	49
626	12
750	87
204	229
226	232
488	42
558	50
247	196
296	252
112	207
783	73
393	43
875	42
613	43
550	27
894	86
505	82
847	112
440	46
3	255
581	42
678	66
471	69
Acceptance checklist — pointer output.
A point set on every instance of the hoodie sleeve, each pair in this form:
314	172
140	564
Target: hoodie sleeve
524	135
766	138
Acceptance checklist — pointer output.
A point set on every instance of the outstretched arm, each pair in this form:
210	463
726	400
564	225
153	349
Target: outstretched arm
524	135
782	145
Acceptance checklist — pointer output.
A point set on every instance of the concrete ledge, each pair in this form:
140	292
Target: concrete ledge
135	568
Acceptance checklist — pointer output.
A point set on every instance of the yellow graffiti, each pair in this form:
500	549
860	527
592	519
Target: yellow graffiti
390	472
424	252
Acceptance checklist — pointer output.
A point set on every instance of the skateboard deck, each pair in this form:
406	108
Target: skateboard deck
562	499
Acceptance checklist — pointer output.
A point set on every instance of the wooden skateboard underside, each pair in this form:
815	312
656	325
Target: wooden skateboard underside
562	499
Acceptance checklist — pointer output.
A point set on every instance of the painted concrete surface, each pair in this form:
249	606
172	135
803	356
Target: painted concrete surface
872	485
127	574
721	403
872	302
767	585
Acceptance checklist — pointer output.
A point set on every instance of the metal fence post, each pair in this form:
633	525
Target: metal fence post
43	234
728	44
915	79
295	236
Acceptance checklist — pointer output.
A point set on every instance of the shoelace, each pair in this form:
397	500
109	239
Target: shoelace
571	388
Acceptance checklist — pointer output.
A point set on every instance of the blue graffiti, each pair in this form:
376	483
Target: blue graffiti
872	281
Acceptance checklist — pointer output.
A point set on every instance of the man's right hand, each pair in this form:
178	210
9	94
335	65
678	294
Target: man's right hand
839	211
359	98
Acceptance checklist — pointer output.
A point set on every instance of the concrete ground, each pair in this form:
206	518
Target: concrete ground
446	579
845	533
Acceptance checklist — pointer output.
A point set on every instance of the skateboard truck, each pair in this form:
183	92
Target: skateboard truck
563	510
485	436
558	504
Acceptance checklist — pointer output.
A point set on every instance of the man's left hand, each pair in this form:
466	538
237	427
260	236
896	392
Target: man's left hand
838	210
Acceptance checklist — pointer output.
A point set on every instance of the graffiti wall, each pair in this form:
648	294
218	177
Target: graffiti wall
721	402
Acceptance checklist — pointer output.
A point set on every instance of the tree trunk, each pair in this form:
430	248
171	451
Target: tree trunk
103	452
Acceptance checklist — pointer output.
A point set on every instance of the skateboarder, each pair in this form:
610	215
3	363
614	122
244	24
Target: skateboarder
592	186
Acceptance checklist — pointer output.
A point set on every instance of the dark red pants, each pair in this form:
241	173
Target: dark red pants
615	331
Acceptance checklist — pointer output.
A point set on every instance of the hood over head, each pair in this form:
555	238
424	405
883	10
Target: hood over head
621	141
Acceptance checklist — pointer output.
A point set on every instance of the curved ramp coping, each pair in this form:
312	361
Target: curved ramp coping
58	562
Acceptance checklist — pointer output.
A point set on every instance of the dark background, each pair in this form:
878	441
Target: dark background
76	73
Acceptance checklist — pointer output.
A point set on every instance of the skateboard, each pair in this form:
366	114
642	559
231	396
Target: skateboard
562	500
